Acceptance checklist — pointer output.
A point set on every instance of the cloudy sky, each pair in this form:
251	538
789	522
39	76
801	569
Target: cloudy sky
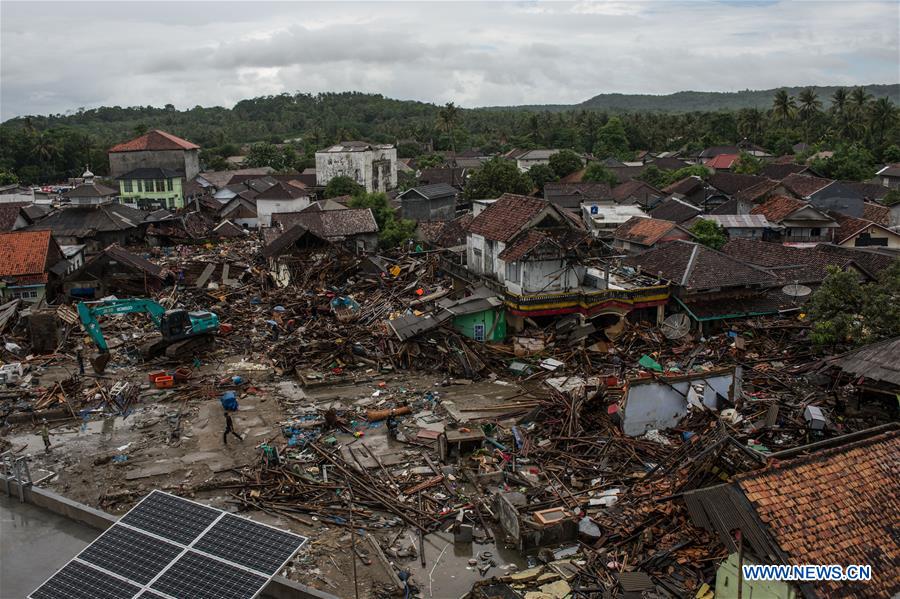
56	57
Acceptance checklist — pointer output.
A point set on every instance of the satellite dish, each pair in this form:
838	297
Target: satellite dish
676	326
796	290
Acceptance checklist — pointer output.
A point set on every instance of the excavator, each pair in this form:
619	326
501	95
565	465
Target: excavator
183	333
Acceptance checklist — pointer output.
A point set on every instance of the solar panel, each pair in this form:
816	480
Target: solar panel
171	517
132	554
167	547
80	581
248	543
196	576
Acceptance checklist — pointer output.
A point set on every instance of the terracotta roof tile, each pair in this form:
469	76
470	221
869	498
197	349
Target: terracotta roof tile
778	171
675	210
684	186
777	208
632	187
723	161
877	214
804	186
9	213
645	231
24	253
154	141
504	218
836	506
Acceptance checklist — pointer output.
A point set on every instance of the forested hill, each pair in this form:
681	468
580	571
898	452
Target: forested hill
690	101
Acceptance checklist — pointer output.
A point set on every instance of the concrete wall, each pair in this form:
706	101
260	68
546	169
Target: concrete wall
186	161
139	191
651	404
884	238
727	583
375	170
493	321
421	210
266	208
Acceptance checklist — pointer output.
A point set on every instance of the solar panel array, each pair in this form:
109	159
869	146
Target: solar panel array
167	547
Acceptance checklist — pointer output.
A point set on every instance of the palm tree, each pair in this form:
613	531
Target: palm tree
882	116
448	117
750	123
859	102
809	108
783	106
839	102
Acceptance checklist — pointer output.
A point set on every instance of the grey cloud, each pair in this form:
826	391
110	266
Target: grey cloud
490	53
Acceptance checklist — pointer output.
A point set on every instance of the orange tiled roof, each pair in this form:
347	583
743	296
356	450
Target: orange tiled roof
777	208
154	141
645	231
24	253
877	214
504	218
836	506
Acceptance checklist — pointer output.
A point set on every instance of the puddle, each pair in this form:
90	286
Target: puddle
447	564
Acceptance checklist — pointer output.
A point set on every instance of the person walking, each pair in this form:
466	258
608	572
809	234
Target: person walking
229	428
45	435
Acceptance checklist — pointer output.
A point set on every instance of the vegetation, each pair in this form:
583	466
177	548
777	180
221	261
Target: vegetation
342	186
565	162
598	173
843	311
709	233
392	231
659	178
496	177
40	149
747	164
541	174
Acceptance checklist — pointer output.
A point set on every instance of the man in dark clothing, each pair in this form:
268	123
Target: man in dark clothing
80	359
229	428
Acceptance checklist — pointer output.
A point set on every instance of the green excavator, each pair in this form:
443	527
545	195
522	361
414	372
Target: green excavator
183	333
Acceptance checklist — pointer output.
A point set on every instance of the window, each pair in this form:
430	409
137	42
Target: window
160	185
169	184
140	186
126	186
512	272
476	258
815	232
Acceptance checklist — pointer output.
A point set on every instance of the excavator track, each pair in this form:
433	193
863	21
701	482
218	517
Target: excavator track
188	348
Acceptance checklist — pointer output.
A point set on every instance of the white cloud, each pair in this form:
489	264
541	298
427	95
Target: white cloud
58	57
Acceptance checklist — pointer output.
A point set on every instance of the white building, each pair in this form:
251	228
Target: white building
521	242
533	157
374	166
603	219
279	198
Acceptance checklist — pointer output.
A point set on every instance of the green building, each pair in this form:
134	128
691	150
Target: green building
488	324
152	188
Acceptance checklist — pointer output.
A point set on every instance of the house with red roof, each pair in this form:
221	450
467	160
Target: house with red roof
801	223
155	150
31	263
722	162
532	252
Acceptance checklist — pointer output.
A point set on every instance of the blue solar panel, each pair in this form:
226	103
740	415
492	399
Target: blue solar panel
196	576
80	581
179	549
250	544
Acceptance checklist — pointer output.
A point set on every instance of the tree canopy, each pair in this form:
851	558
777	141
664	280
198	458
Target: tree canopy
496	177
709	233
342	185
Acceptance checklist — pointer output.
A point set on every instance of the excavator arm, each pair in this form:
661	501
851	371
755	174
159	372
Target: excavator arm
88	312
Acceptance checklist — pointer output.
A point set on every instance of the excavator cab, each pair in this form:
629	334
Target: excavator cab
175	324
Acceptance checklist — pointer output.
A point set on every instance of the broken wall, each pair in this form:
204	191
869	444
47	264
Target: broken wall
661	403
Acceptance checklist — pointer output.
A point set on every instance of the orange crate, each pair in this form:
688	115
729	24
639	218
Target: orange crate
156	374
164	382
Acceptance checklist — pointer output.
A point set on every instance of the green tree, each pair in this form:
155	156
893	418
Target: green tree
840	101
695	170
851	162
891	198
8	178
747	164
565	162
709	233
496	177
882	117
596	172
783	107
540	174
265	154
391	230
892	154
140	129
342	185
612	140
835	309
653	175
881	312
448	118
809	107
429	161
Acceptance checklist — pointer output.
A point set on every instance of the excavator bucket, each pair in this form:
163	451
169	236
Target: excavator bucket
100	361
